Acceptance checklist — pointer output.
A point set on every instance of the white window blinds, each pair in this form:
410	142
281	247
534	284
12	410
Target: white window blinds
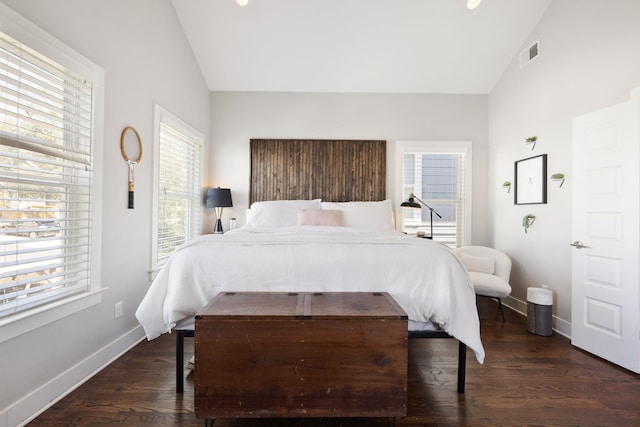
46	113
440	176
179	186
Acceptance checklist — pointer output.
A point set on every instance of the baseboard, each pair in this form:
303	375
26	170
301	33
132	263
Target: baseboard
560	326
515	305
30	406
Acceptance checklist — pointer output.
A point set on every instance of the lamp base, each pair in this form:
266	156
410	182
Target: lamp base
217	229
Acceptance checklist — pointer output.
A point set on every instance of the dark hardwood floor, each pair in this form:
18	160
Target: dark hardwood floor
526	380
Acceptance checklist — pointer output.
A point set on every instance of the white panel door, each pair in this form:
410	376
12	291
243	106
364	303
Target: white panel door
605	232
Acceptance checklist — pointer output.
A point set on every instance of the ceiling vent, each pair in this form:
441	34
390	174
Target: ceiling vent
529	54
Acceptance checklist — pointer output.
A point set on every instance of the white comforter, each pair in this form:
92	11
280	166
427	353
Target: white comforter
424	277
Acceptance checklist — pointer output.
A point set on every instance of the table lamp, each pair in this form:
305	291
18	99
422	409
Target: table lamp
218	198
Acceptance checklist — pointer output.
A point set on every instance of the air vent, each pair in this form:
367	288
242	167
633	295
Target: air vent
529	54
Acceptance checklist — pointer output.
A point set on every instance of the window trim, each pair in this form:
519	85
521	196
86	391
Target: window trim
161	115
444	147
30	34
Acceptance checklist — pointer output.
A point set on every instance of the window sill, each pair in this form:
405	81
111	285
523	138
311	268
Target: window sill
21	323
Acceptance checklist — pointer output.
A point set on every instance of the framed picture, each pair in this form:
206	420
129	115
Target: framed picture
531	180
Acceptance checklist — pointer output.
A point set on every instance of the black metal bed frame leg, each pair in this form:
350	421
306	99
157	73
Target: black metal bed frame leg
180	336
179	362
462	365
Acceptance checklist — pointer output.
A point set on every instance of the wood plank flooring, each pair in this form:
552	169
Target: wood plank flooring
526	380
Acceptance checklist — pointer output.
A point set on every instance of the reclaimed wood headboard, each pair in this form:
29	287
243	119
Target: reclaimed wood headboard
331	170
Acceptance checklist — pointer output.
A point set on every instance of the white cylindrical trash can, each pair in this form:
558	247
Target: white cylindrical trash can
539	307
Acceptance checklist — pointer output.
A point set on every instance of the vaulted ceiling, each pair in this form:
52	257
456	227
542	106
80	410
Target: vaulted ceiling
390	46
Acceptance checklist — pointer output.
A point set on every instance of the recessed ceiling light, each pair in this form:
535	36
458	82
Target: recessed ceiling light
472	4
242	2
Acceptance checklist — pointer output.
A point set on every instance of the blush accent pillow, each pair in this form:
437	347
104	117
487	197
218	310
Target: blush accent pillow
370	215
278	213
478	264
320	217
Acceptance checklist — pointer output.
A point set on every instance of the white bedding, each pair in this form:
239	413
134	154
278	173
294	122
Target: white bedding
424	277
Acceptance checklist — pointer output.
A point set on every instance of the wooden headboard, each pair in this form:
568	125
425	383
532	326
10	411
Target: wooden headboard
331	170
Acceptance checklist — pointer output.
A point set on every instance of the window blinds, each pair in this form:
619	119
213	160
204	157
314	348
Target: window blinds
180	200
46	114
438	179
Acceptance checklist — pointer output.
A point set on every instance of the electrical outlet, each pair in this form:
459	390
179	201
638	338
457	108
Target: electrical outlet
117	311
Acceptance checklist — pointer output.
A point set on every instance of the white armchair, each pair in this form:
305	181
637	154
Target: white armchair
489	270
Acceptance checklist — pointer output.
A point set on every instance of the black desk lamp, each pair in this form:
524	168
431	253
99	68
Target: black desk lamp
411	203
218	198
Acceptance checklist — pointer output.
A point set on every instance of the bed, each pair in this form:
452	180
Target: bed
315	245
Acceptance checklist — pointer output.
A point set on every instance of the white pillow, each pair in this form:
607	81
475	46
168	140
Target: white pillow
371	215
478	264
278	213
320	217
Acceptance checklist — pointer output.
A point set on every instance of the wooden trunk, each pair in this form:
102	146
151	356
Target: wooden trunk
301	355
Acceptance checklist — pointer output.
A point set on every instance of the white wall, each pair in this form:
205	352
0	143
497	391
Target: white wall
146	59
589	59
237	117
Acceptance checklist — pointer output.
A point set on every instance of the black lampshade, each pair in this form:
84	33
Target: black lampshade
411	203
218	198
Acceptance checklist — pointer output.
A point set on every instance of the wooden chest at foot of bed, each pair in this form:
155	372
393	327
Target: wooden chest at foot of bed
301	355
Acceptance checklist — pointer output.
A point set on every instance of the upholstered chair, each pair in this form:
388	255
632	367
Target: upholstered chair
489	270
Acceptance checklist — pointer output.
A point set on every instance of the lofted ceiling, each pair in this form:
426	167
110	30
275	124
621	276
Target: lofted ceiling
379	46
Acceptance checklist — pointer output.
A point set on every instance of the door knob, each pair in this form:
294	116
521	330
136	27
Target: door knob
578	244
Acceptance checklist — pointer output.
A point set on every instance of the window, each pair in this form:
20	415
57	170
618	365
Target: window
47	145
178	195
440	175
